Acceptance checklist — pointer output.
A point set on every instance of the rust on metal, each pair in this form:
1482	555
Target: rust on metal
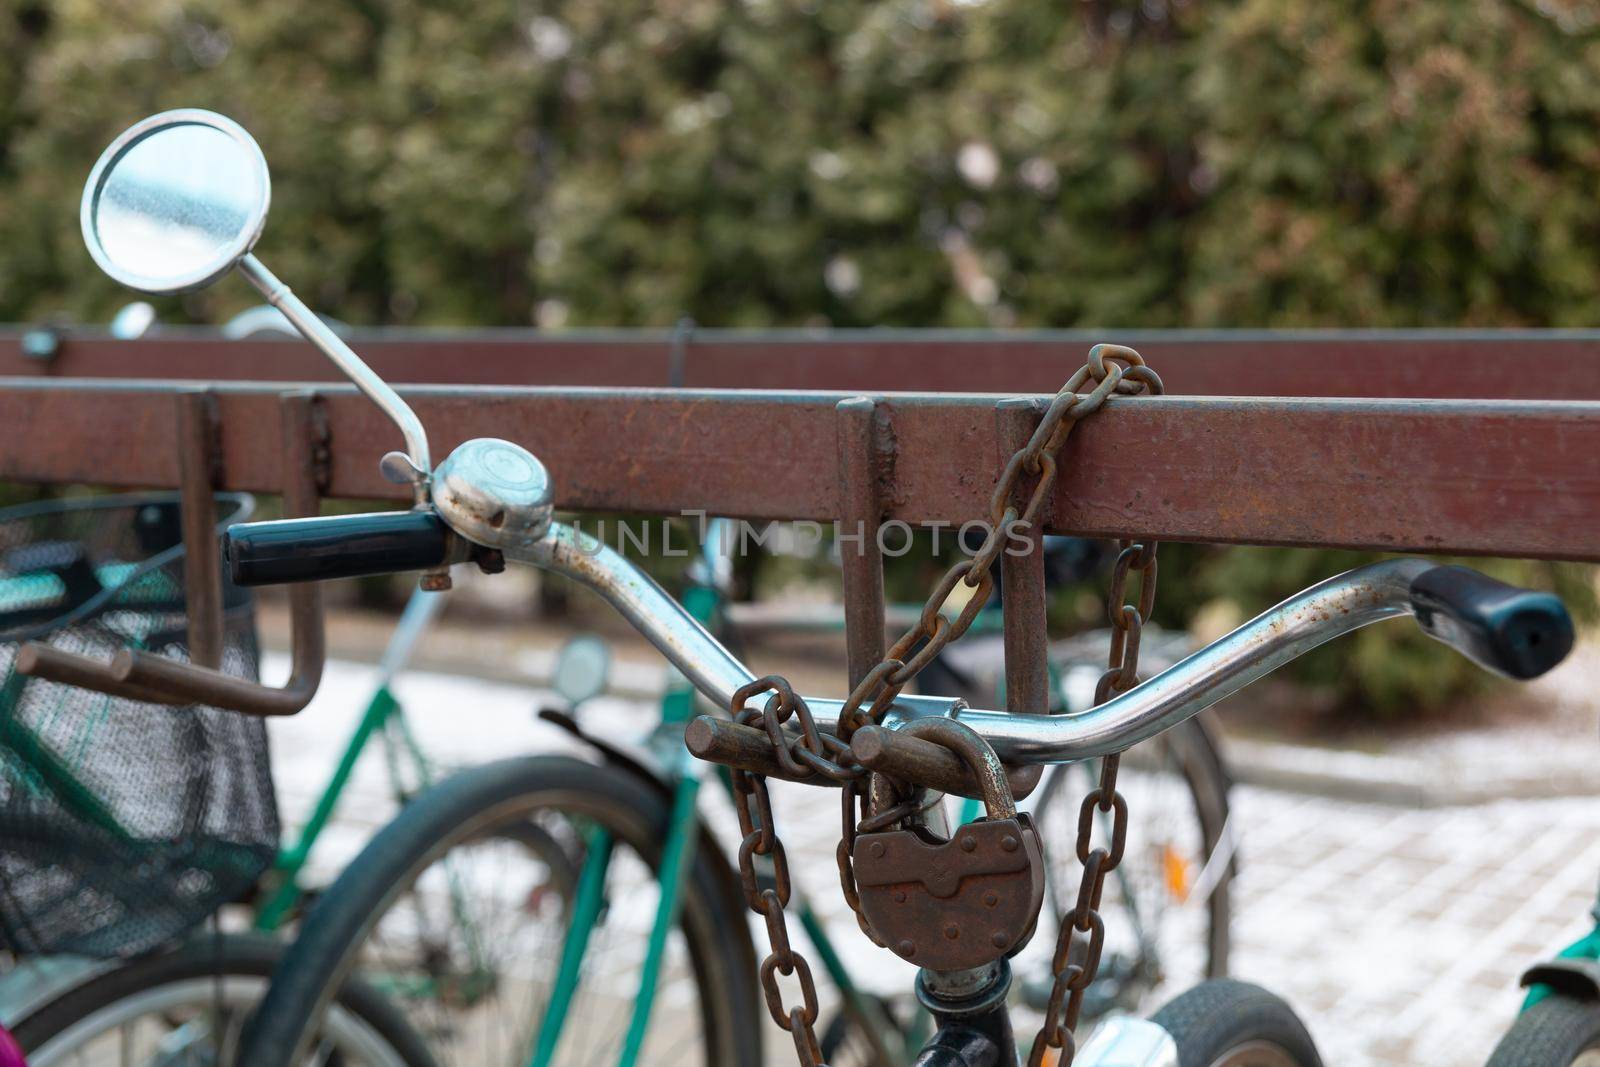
860	516
956	904
952	904
198	470
140	674
302	438
749	748
1514	478
1441	364
137	673
1022	603
1022	600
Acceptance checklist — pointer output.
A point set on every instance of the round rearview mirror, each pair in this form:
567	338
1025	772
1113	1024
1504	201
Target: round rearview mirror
175	201
582	668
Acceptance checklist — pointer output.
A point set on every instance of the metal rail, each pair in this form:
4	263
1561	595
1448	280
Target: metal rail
1494	476
1500	364
1516	478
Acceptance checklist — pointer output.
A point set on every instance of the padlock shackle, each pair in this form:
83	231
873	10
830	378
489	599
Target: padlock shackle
976	753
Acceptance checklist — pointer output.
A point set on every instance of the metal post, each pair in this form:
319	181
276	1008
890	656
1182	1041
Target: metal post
1022	593
198	473
860	513
305	476
860	557
1022	578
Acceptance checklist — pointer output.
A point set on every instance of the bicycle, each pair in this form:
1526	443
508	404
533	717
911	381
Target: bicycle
888	1034
884	1034
1186	830
65	565
62	1005
968	900
1188	835
1558	1024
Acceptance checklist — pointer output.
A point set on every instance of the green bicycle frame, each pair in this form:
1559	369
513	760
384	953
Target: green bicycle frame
704	601
383	712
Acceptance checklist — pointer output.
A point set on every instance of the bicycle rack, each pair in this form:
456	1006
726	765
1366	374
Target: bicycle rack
1255	469
864	432
145	676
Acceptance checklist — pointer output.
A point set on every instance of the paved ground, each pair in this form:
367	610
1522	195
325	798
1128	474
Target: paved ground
1398	932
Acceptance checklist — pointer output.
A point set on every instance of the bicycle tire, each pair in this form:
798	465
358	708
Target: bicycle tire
466	804
62	1028
842	1043
1559	1031
1227	1023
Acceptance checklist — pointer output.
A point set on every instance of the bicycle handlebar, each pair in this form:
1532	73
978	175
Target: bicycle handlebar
336	546
1515	632
1512	631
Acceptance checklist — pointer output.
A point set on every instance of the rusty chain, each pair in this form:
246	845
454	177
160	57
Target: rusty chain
1115	370
1082	931
761	839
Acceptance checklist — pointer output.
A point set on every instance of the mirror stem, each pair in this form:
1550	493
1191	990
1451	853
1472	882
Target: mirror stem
317	332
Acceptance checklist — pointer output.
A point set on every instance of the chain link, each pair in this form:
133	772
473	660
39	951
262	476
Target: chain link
1081	935
761	840
1114	370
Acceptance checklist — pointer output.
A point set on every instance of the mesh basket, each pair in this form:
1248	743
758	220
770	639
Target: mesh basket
122	823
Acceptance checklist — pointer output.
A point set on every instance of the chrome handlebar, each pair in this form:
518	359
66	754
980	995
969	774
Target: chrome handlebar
1282	633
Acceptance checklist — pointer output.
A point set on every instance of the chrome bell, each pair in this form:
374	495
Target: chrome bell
494	493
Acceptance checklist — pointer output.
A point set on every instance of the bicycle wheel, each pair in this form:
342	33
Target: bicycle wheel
1225	1023
847	1040
1166	907
186	1006
1559	1031
453	916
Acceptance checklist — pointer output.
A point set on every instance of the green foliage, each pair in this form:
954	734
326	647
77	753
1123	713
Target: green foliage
912	162
1109	163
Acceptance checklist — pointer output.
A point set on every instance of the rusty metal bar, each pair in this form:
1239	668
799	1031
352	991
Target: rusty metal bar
1514	478
914	759
39	660
860	514
1022	598
202	567
1369	364
1022	594
304	437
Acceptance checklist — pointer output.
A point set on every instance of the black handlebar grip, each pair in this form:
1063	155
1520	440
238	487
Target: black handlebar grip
1519	633
335	546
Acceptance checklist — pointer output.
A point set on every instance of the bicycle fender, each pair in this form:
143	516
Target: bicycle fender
638	760
1568	976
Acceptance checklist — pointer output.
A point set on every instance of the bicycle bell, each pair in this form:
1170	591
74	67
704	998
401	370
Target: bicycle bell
494	493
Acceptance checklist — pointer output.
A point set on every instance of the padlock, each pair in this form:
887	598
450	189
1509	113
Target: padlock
962	903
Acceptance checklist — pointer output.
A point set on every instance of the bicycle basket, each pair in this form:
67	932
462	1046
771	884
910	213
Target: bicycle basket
122	823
